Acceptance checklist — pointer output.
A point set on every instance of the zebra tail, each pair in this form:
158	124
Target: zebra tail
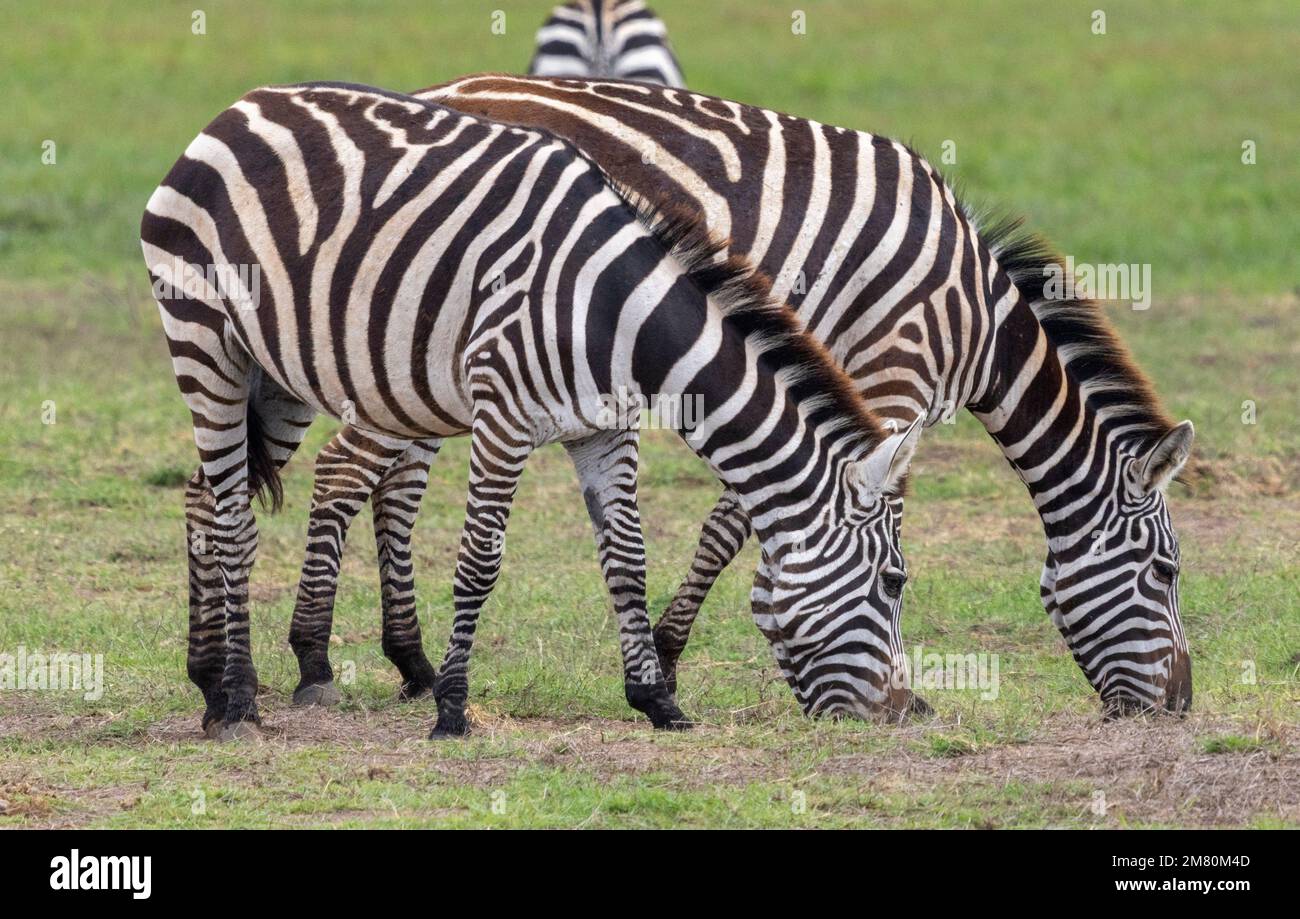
263	473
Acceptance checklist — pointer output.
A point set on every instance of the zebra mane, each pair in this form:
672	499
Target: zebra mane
744	294
1084	338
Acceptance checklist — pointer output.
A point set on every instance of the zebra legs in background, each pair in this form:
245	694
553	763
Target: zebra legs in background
350	467
606	464
394	506
607	469
721	538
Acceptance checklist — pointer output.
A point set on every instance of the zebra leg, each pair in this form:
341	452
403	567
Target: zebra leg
205	659
496	460
221	433
283	422
347	471
721	538
607	469
395	504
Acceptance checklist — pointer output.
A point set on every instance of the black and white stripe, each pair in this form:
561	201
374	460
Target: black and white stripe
622	39
426	274
927	312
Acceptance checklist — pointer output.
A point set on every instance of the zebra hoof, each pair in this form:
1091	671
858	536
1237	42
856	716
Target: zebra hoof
212	723
236	730
668	717
655	702
418	680
323	694
449	725
681	723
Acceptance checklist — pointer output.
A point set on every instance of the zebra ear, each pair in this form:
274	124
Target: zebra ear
881	472
1167	458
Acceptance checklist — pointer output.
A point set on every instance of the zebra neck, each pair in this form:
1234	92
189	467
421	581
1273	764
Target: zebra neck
784	485
1056	442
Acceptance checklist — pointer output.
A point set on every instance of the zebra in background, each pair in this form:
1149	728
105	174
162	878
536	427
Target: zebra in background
927	312
436	275
622	39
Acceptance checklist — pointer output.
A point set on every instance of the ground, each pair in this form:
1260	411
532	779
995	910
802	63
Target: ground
1123	147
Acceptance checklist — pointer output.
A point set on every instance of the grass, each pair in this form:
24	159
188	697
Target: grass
1123	147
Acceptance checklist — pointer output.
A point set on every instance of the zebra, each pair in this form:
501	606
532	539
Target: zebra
929	308
622	39
431	274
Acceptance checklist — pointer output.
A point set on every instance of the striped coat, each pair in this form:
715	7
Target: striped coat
423	274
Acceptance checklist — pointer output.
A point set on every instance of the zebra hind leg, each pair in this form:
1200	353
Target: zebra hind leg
721	537
347	470
395	504
206	655
221	433
607	468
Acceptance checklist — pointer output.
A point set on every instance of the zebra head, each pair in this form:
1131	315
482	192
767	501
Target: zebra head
829	600
1114	593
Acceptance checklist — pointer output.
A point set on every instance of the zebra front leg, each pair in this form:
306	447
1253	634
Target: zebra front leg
395	504
721	538
205	660
607	469
347	471
496	460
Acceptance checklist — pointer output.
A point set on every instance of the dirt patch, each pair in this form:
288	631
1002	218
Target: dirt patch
1155	770
1243	477
1160	770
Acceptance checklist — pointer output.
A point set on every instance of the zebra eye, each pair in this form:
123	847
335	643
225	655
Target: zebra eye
893	580
1164	571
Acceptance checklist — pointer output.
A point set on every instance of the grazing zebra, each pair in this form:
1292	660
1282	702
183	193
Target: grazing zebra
622	39
430	274
927	313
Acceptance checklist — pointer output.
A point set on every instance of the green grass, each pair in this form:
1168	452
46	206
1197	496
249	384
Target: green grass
1231	743
1123	147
